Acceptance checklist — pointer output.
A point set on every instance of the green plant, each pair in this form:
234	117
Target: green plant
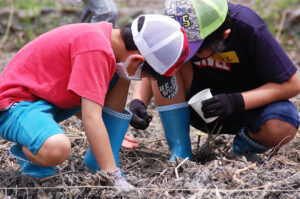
271	11
30	21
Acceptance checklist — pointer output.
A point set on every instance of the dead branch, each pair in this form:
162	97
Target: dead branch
255	189
151	152
235	179
265	191
199	194
276	148
181	163
47	178
151	141
8	26
210	139
278	35
218	193
162	173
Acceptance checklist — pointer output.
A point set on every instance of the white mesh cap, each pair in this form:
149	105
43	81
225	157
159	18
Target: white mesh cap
161	41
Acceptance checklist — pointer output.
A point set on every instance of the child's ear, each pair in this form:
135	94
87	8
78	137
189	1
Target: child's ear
137	59
227	33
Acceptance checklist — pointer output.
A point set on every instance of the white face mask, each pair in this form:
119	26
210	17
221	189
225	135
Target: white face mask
122	70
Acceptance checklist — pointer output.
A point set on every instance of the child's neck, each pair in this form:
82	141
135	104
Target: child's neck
118	45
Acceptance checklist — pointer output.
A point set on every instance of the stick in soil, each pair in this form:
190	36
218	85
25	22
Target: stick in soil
181	163
162	173
235	179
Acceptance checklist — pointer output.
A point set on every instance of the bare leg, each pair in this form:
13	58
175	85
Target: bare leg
184	80
142	90
116	98
274	133
54	151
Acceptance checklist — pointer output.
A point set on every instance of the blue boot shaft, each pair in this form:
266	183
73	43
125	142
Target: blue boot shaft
176	123
28	168
116	125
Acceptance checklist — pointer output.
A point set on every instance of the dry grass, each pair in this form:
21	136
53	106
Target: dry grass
219	174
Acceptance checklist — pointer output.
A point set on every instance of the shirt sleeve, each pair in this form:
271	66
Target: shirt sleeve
271	62
90	76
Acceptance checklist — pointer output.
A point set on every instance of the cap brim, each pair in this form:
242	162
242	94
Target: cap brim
194	46
167	85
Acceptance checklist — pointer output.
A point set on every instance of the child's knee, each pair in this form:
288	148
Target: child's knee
281	132
55	149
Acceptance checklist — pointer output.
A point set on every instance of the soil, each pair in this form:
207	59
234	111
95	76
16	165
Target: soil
216	173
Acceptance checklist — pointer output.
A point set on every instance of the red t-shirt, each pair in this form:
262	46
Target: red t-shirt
61	66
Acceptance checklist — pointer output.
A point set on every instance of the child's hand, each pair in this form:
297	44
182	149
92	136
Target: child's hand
140	117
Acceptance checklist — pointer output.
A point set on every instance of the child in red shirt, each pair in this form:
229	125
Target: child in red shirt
70	69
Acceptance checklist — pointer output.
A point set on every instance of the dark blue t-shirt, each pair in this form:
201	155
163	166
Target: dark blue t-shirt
252	57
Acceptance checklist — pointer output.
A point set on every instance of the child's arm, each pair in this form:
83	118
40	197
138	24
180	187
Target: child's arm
97	134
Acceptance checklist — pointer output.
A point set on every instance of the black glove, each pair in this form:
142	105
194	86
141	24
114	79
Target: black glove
223	105
140	118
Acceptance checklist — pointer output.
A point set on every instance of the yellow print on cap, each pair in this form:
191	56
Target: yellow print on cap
183	20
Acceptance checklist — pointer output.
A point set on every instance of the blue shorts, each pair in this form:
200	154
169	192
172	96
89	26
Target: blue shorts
252	119
31	123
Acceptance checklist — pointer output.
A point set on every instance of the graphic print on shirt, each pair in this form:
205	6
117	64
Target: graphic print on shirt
220	61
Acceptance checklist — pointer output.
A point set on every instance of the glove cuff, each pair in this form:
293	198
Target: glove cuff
237	101
136	102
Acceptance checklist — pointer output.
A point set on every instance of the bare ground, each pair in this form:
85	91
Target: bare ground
216	173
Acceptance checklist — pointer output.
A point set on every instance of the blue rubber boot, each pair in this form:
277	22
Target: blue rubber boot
28	168
242	144
116	125
176	122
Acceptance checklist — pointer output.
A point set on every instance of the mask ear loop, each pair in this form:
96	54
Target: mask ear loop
136	75
138	72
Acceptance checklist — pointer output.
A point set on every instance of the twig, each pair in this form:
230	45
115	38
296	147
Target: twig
151	141
216	189
199	194
276	149
198	142
181	163
10	19
162	173
209	138
278	35
210	135
134	163
255	189
218	193
70	129
238	172
134	152
47	178
292	196
265	190
152	151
